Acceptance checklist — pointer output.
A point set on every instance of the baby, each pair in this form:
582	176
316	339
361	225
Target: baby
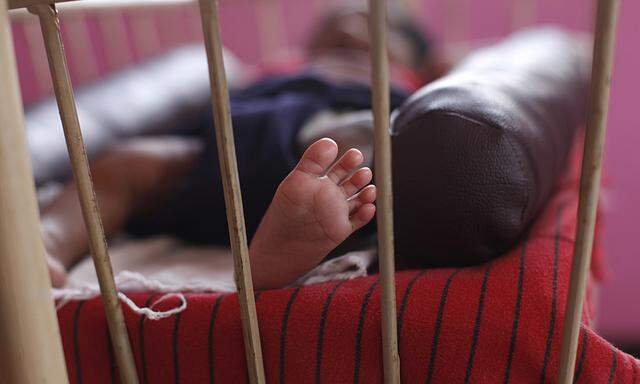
315	208
294	218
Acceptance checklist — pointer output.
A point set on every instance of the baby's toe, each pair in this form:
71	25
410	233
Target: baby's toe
318	157
366	196
357	181
362	216
349	162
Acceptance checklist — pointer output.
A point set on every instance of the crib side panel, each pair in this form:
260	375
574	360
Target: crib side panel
30	351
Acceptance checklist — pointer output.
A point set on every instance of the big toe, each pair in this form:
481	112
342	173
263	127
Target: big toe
318	157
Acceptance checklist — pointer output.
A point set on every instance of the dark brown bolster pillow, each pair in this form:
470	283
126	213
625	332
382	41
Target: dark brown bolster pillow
477	153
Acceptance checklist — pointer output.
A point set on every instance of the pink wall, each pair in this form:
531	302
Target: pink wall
619	303
619	317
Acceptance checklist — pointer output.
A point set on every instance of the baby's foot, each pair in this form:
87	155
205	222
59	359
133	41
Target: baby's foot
316	207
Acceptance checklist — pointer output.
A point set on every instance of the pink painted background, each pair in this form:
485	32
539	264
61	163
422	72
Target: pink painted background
620	302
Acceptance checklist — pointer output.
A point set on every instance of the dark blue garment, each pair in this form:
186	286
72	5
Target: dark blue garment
266	119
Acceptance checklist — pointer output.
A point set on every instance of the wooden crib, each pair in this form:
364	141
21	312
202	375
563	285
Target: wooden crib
31	350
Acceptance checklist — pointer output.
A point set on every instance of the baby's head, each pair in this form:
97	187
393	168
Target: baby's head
343	33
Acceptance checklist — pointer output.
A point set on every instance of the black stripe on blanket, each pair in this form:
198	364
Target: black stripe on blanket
438	326
614	366
176	360
516	315
283	332
554	298
583	355
363	312
143	355
477	325
323	321
212	324
76	346
403	306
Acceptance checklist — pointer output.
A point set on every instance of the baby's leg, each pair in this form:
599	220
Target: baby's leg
128	180
317	206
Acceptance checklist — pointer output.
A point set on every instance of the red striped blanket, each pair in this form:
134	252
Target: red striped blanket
496	323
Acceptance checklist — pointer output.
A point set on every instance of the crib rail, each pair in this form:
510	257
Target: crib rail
523	13
382	148
231	186
30	347
15	4
80	165
606	17
93	5
75	4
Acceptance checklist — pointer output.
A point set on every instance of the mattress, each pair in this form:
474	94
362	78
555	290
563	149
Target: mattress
499	322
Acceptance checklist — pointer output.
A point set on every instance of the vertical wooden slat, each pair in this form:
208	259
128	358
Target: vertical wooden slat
90	211
114	33
413	7
80	46
382	149
37	57
457	21
456	31
146	41
30	345
524	13
231	186
271	31
606	18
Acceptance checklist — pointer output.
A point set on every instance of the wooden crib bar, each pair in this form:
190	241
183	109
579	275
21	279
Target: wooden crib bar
30	345
271	33
231	186
15	4
606	18
90	210
524	13
380	101
75	5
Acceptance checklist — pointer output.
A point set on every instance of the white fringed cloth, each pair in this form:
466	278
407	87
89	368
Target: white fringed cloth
164	265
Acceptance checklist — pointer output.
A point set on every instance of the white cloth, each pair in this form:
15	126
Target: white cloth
164	265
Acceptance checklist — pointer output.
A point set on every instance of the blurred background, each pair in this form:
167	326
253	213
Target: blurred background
264	33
